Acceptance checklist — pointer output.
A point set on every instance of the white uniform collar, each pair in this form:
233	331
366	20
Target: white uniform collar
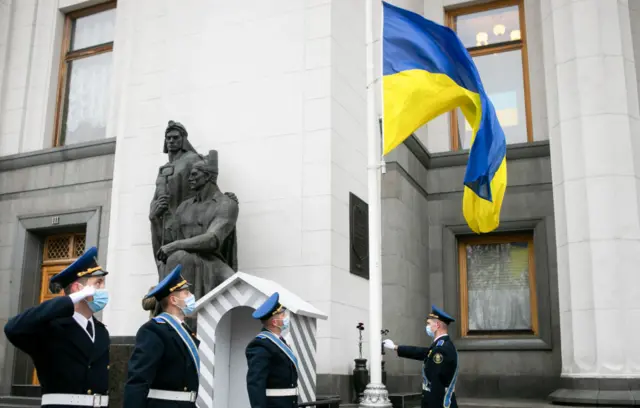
82	321
177	318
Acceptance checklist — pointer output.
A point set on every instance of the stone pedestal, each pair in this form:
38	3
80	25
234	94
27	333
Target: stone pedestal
119	354
595	156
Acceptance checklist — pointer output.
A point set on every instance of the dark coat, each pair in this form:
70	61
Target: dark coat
269	368
160	361
66	359
439	363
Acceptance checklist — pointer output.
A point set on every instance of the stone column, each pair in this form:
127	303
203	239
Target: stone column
592	101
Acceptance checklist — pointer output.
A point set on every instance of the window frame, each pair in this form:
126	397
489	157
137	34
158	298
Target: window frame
67	56
450	21
464	290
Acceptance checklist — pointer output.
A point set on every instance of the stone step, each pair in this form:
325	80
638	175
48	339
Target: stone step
19	402
31	391
405	399
483	403
501	403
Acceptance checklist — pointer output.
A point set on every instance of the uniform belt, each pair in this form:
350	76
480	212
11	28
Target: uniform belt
189	396
282	392
76	400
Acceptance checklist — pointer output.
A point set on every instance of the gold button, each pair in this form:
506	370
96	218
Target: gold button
89	392
108	367
185	388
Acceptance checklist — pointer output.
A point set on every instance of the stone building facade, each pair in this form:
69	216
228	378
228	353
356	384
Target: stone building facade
278	88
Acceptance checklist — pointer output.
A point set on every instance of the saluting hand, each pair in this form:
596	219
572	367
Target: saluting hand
86	292
389	344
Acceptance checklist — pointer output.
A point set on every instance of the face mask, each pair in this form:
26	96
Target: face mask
100	300
285	324
430	332
189	305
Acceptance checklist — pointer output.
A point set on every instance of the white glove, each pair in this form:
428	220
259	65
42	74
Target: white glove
86	292
389	344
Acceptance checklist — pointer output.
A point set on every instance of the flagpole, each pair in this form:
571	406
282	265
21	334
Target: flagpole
375	395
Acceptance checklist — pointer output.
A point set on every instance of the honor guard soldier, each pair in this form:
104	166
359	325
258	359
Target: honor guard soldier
272	375
68	345
439	362
165	366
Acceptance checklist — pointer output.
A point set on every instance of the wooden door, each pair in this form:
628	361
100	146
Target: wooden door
59	252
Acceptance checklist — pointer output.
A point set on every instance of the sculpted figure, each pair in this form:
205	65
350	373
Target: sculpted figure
206	244
172	187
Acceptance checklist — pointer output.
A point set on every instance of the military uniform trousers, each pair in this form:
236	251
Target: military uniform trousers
162	365
270	374
439	363
66	359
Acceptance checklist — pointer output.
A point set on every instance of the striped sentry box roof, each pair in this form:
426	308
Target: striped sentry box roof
250	291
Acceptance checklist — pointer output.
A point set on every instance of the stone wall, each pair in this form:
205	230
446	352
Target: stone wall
405	255
420	268
70	183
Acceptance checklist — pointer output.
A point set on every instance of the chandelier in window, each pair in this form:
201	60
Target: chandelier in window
482	38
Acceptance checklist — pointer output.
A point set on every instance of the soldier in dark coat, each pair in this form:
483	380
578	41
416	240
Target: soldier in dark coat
272	375
439	362
165	365
68	345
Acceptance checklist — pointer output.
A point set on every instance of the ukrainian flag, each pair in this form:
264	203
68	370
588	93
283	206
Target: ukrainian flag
427	72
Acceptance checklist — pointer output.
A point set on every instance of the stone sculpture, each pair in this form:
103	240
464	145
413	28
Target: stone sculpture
172	187
205	231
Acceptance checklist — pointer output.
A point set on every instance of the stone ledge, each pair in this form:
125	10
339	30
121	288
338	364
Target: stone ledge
58	154
459	158
618	398
501	403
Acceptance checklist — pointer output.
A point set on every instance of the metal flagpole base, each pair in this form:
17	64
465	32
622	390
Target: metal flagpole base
375	395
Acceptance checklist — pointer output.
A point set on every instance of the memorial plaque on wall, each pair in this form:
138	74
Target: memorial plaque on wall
358	236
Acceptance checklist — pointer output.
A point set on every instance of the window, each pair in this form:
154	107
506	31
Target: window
85	75
497	286
495	37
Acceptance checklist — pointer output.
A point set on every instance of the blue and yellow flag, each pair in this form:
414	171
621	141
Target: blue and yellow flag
427	71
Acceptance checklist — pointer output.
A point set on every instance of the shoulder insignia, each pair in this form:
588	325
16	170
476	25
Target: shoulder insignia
429	355
439	343
437	358
159	321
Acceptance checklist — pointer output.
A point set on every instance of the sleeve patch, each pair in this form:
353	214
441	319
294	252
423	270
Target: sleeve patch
437	358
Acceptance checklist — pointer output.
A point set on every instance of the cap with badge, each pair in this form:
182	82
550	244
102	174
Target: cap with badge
440	315
85	266
269	308
171	283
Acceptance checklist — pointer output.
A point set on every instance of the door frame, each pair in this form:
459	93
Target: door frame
26	274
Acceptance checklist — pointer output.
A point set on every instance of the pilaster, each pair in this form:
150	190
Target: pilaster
595	156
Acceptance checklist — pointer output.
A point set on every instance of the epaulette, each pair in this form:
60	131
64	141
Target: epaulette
159	320
439	343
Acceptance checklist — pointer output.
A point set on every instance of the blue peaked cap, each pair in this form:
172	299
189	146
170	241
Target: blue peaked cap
269	308
84	267
440	315
171	283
